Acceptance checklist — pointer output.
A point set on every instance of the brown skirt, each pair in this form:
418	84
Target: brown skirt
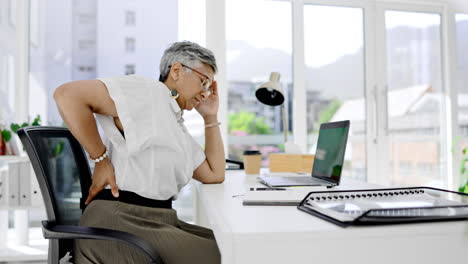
177	242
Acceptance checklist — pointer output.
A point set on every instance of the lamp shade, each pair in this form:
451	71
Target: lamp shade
271	93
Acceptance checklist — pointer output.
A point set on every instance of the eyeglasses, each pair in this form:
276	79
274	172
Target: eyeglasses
206	83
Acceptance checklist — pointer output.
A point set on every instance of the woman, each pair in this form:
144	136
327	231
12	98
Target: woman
150	155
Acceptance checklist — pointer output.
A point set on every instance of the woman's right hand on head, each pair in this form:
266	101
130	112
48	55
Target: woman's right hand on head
103	175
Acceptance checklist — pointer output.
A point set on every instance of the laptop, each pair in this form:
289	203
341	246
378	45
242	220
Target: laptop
328	160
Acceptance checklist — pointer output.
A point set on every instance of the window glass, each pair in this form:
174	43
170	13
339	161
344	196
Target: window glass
415	92
257	44
462	87
335	84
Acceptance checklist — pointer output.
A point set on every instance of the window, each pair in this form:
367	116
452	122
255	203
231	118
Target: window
129	69
7	88
130	45
462	86
255	48
192	21
34	23
130	18
191	27
86	68
334	46
414	96
462	73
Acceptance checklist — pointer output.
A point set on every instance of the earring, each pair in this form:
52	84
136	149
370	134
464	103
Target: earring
174	93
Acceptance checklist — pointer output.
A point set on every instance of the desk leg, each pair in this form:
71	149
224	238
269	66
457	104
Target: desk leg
200	217
3	228
196	205
22	226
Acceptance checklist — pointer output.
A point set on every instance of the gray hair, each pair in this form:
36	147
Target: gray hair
187	53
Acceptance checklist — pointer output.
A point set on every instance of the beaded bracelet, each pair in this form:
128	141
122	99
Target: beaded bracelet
212	125
101	158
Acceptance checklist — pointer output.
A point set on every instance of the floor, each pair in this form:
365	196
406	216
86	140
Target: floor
33	253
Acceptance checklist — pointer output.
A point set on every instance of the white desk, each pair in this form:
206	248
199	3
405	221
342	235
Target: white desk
273	234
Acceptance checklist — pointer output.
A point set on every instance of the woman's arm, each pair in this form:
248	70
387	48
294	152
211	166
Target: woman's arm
212	170
76	102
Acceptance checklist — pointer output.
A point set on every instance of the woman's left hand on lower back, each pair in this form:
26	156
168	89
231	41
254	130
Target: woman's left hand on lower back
103	175
210	105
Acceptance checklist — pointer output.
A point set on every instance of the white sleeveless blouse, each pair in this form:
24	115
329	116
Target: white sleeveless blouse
157	156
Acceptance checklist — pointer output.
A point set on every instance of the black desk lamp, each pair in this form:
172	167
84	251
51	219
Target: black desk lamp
271	93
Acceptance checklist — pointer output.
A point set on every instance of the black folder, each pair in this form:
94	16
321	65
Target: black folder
386	206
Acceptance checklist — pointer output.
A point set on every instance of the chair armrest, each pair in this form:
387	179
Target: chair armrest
54	231
240	163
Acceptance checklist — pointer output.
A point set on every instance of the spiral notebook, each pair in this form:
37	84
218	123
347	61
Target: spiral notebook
288	197
386	206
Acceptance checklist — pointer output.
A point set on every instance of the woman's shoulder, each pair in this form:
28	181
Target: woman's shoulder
133	78
133	84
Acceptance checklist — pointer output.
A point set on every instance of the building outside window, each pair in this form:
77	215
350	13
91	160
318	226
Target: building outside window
130	18
129	69
130	45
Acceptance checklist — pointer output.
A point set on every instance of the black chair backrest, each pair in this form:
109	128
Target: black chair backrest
62	171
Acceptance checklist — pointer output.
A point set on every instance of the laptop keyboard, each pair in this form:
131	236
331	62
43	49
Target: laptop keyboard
295	180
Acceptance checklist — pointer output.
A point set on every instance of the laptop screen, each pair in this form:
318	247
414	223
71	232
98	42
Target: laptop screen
331	146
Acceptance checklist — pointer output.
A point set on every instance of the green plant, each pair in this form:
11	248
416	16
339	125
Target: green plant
36	122
247	122
329	111
464	171
6	133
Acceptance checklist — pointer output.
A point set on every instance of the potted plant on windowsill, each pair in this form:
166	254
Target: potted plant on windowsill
8	140
5	137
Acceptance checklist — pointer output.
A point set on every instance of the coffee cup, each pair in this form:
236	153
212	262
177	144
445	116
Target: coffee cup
252	161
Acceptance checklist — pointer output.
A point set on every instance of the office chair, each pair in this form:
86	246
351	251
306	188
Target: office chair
64	176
